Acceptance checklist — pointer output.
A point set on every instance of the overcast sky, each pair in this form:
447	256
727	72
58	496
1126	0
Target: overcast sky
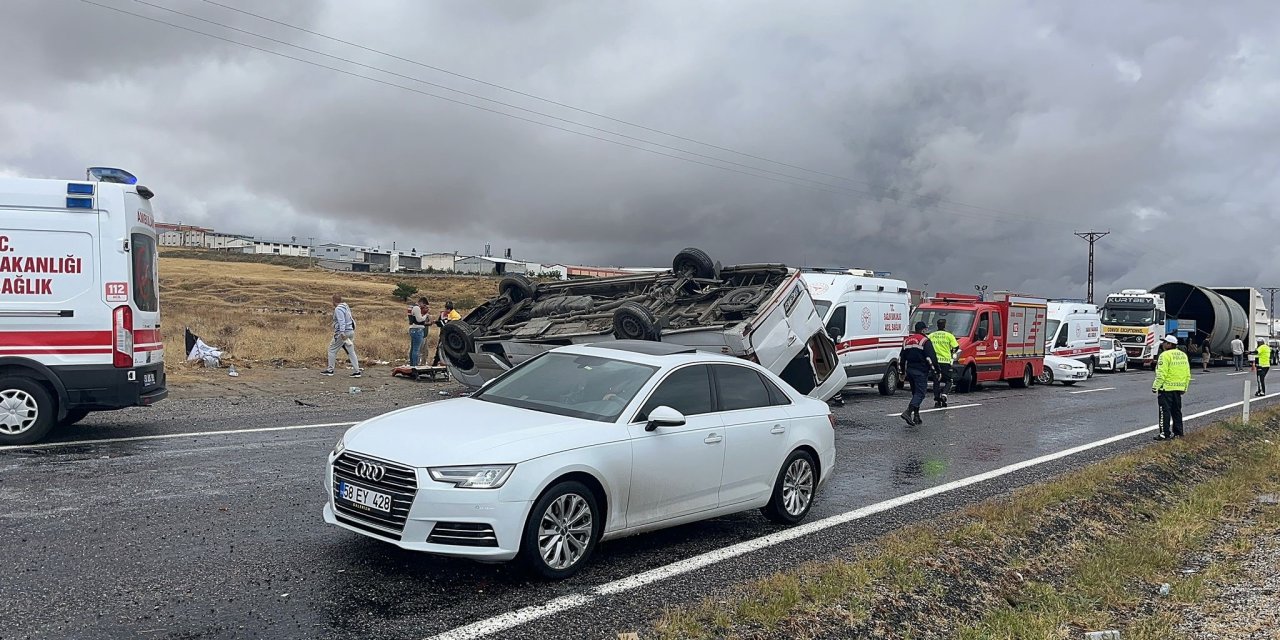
948	142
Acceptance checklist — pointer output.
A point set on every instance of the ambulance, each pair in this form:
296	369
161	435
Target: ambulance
79	301
867	317
1074	330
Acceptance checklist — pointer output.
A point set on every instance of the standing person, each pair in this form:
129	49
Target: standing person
1173	376
944	346
1205	354
917	357
344	338
419	316
446	316
1262	365
1237	354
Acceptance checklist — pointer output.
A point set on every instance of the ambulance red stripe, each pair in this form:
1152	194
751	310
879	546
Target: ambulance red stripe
54	338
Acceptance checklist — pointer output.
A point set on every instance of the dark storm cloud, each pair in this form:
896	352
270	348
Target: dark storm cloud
1156	120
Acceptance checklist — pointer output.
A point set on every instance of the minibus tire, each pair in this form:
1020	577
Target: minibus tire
635	322
694	263
22	390
516	287
456	342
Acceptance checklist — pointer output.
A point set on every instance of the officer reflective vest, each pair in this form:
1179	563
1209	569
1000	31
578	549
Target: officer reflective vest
1173	371
1264	355
944	343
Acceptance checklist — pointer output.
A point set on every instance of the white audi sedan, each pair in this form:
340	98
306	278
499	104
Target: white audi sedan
578	445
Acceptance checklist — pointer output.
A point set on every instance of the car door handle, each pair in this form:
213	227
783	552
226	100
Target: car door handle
777	428
713	439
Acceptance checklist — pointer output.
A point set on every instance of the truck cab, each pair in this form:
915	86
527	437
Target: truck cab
1136	319
1000	339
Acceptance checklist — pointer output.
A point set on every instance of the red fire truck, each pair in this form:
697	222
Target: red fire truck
1000	339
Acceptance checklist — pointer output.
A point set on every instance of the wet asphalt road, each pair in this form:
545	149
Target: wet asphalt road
215	536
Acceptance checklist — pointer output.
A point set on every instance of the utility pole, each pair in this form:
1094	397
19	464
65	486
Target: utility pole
311	252
1091	237
1271	311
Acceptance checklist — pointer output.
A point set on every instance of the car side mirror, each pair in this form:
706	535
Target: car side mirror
664	416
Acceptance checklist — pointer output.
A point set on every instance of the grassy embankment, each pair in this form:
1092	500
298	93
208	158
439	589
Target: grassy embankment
1087	551
276	311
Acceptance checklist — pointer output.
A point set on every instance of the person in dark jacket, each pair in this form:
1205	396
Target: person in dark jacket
917	359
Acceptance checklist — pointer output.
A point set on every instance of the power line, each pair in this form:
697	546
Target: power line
750	170
578	109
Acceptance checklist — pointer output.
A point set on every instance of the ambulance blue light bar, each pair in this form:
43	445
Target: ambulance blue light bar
79	203
79	188
111	174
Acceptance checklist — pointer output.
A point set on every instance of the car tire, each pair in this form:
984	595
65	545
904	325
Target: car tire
457	343
73	416
1023	382
516	287
1090	366
635	322
794	489
890	382
694	263
1046	377
28	411
556	517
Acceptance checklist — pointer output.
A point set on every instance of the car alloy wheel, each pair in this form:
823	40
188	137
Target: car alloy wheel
1046	377
564	532
794	489
19	412
797	487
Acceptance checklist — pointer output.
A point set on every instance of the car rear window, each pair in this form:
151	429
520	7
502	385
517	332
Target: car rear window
740	388
145	295
686	390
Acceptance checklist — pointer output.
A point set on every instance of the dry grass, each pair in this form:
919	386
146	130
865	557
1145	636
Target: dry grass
281	315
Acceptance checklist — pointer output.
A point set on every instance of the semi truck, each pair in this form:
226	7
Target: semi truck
1218	313
1000	339
1136	319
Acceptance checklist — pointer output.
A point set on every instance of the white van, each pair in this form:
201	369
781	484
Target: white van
867	317
1074	330
79	301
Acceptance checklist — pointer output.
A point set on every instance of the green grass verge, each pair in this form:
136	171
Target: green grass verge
1085	551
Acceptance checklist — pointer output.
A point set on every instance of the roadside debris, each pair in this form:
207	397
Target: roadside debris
232	372
197	350
353	390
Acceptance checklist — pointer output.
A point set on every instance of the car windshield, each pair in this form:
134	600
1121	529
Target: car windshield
573	385
1128	316
1108	344
958	322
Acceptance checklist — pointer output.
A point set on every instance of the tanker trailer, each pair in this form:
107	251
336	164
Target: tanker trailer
1219	316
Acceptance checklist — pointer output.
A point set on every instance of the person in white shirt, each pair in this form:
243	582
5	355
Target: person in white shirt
1237	353
419	317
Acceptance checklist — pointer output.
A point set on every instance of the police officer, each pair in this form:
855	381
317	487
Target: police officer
944	345
1173	376
917	357
1262	365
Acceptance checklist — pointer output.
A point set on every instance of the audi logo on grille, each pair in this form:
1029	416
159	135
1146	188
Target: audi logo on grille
370	471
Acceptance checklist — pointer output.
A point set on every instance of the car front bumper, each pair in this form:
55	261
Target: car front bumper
439	509
1071	376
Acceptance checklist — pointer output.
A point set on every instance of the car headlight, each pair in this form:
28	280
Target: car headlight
341	446
476	477
1065	367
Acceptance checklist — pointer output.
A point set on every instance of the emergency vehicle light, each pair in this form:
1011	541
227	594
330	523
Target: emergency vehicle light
78	188
79	203
111	174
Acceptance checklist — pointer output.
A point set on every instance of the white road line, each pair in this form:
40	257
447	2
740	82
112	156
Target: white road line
1093	390
1239	373
512	619
166	436
958	406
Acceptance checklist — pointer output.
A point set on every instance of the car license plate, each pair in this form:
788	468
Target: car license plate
148	379
364	497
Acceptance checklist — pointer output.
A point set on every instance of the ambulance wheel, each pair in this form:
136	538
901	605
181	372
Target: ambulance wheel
73	416
890	382
27	411
693	263
1023	382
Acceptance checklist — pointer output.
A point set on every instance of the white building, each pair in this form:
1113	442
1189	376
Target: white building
340	251
438	261
280	248
488	265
